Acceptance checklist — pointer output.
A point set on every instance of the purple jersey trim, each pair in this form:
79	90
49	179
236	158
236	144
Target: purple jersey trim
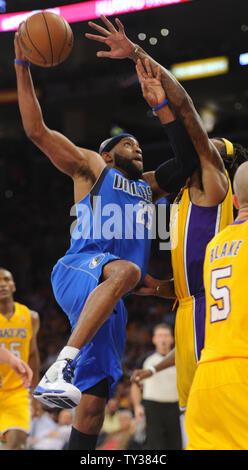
199	312
202	227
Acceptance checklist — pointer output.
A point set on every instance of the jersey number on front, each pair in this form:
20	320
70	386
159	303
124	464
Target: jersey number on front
221	294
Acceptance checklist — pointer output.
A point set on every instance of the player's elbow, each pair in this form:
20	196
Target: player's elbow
35	132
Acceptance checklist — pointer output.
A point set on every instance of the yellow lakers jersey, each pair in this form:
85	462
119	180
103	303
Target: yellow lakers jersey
225	280
192	227
15	335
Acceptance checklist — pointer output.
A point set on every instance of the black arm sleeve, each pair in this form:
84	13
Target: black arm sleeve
172	174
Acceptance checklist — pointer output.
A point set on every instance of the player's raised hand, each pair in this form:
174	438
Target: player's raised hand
151	86
120	46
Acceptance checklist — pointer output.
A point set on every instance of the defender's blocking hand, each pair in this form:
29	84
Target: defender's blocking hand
120	46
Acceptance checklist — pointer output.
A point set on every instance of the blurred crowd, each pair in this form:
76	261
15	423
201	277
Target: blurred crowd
50	429
35	210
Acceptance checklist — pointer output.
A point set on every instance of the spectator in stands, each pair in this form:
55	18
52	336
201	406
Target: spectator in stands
51	431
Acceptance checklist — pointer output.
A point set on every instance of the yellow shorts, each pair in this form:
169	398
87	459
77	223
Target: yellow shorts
189	340
14	410
217	411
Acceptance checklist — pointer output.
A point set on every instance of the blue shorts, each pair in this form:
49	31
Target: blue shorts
74	277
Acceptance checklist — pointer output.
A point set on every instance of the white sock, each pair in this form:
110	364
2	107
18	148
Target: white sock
68	352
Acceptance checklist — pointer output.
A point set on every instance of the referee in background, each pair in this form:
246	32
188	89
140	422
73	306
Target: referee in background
157	403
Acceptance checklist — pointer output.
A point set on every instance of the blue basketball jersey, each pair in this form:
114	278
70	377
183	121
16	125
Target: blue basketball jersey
116	217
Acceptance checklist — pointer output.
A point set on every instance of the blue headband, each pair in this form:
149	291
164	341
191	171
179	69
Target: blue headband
112	142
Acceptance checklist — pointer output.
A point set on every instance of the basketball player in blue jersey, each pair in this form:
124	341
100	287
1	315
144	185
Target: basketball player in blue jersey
202	208
106	260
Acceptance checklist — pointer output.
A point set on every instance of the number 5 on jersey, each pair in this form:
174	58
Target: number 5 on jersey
220	293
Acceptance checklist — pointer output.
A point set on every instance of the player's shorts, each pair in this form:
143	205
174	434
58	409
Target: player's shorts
74	277
14	410
189	341
217	411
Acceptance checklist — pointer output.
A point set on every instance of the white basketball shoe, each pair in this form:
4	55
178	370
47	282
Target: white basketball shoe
55	388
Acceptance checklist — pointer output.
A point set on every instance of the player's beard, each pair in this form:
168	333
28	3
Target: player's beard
128	166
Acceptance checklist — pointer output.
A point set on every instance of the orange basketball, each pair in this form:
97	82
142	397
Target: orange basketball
46	39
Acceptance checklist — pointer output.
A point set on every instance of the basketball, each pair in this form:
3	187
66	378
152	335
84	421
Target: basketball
46	39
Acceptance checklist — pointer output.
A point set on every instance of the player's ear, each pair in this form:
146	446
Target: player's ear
236	202
107	157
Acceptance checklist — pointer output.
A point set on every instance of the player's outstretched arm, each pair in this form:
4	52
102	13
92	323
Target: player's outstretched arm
154	94
121	47
172	174
213	174
66	156
141	374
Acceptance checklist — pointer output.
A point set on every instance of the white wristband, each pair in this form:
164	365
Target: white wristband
152	369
